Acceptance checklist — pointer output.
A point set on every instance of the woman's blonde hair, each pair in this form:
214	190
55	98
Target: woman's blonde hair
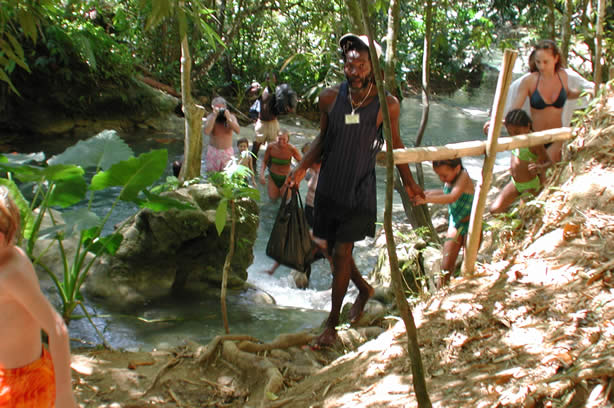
10	219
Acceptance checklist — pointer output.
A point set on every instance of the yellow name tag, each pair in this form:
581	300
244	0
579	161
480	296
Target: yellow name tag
352	119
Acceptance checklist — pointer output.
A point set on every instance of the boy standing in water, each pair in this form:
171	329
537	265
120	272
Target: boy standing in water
245	157
30	376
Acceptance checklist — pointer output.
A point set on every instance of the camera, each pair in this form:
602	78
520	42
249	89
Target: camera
221	116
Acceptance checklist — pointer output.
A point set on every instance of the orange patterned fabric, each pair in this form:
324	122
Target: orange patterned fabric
31	386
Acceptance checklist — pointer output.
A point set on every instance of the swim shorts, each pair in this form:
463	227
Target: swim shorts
533	184
30	386
266	131
218	158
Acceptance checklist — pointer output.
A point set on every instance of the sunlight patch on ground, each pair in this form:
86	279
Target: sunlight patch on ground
390	391
531	339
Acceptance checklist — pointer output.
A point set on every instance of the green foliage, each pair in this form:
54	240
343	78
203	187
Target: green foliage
61	182
232	185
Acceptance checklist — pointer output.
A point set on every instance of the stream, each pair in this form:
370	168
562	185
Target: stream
169	322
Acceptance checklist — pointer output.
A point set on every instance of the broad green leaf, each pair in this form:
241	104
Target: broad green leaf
157	202
27	23
220	216
99	152
80	220
133	175
68	191
25	173
4	77
30	173
84	46
8	50
109	244
27	218
59	172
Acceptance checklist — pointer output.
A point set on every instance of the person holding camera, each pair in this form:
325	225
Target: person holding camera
219	127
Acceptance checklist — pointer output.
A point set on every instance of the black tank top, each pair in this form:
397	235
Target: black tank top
347	176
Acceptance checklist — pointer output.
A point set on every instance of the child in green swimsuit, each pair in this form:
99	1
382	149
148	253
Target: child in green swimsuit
527	164
457	193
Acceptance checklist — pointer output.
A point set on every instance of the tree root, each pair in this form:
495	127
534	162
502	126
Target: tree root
282	341
203	354
248	361
570	380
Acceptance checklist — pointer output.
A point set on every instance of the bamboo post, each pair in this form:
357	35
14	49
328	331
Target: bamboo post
477	211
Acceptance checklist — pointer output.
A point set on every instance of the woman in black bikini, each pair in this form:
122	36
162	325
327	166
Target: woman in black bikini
547	89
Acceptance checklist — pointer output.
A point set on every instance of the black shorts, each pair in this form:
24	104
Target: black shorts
335	223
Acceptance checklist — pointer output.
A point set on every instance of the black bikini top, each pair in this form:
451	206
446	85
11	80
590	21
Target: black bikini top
537	102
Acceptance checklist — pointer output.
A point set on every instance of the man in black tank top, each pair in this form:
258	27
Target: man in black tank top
345	201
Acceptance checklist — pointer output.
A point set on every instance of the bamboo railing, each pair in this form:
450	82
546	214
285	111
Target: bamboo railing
489	148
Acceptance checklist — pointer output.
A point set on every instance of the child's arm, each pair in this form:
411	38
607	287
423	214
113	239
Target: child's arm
543	160
428	195
17	282
463	184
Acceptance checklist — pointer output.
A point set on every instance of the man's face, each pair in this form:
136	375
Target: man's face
357	69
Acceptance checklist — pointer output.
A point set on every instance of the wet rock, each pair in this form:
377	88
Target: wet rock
176	252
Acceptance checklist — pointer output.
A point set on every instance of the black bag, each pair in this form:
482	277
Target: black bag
290	243
285	99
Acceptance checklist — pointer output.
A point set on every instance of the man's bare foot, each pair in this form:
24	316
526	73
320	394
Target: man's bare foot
359	305
327	338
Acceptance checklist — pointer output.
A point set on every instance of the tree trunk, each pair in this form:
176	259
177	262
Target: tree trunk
598	41
406	315
354	14
419	216
229	255
551	19
566	30
394	21
193	141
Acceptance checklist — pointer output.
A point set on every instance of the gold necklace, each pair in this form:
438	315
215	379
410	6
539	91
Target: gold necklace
363	99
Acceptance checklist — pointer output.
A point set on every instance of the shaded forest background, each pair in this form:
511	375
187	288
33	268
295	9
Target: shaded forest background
82	57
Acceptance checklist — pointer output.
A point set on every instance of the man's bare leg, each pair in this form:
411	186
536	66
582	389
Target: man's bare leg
365	292
342	260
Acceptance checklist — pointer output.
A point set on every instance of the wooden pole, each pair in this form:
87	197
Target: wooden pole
413	346
474	148
477	211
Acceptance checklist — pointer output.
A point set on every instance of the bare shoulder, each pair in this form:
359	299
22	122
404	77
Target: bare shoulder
564	77
14	266
466	182
393	104
327	96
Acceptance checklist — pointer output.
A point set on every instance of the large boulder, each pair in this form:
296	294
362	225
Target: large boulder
176	251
